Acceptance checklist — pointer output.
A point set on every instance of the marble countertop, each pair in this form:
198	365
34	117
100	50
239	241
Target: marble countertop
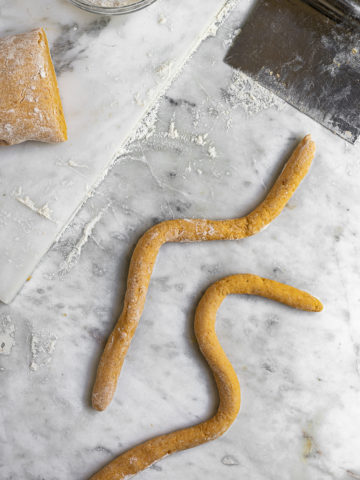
111	71
211	148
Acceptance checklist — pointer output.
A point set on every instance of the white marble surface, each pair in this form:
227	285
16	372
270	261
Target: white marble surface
299	372
110	70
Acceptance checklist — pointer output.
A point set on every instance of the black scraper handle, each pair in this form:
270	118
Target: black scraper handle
347	11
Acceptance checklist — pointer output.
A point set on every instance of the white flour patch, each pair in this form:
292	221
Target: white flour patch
73	164
42	348
172	133
200	139
7	335
75	253
212	151
147	126
249	95
221	16
231	37
43	211
213	30
160	139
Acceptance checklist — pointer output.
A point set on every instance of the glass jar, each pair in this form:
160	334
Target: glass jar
112	7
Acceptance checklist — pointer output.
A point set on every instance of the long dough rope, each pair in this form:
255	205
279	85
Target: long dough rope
146	251
144	455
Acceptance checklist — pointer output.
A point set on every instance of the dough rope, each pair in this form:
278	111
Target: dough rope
146	251
144	455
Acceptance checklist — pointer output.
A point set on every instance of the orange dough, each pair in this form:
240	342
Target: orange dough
30	105
146	251
144	455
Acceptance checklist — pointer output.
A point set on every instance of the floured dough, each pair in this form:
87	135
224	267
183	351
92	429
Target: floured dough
147	249
151	451
30	105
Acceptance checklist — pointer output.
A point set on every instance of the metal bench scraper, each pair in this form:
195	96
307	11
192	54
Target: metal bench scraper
307	53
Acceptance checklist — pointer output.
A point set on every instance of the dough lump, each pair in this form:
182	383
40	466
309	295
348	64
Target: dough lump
30	105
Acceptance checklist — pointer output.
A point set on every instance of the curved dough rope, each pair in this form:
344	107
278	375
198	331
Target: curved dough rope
146	251
144	455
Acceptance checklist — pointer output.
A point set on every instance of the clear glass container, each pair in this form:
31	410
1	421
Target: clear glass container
119	7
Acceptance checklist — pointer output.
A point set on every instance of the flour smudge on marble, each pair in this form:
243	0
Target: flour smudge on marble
42	348
75	253
43	211
7	335
249	95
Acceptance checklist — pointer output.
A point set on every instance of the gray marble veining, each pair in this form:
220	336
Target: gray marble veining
202	155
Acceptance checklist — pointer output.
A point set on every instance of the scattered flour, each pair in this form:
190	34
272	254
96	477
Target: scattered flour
42	348
172	133
249	95
7	335
221	16
147	127
43	211
242	92
212	151
75	253
213	30
231	37
200	139
73	164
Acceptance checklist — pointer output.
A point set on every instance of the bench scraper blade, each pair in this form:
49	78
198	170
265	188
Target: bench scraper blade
305	58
